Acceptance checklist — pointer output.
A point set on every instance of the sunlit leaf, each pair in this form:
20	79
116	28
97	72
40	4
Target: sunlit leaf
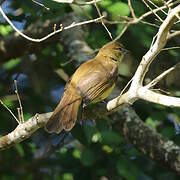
11	64
4	30
67	176
118	9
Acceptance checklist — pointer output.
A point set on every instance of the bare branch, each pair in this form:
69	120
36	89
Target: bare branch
156	10
161	76
23	131
150	96
10	111
74	24
20	111
64	1
125	122
136	90
76	2
68	38
41	29
131	9
170	48
152	11
129	21
122	32
174	34
158	6
40	4
100	15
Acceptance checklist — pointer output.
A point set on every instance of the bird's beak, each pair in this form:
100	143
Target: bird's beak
125	51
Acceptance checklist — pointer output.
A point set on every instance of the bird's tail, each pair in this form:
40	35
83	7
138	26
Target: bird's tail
65	114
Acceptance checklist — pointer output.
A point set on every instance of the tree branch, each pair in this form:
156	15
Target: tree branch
125	122
136	90
23	131
39	29
145	139
60	29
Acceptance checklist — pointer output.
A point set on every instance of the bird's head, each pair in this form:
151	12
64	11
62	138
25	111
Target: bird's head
114	51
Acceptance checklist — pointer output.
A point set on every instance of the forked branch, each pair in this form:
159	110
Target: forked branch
137	90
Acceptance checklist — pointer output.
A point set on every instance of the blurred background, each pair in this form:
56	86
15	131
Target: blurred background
93	150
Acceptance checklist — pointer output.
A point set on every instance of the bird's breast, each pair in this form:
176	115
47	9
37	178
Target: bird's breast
104	95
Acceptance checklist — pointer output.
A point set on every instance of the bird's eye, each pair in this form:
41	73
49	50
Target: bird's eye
118	48
113	59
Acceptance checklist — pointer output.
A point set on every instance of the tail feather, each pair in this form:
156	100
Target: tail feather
73	113
65	114
54	124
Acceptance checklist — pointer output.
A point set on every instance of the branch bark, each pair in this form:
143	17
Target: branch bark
145	139
125	121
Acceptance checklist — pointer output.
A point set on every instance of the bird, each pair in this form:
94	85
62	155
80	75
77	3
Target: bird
92	82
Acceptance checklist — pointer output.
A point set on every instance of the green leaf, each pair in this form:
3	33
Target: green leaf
118	9
152	122
87	157
11	64
110	138
105	3
119	28
107	149
4	30
67	176
76	153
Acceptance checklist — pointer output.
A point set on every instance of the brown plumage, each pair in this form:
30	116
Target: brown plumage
92	82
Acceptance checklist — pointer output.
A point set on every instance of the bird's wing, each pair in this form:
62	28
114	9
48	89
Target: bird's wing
93	85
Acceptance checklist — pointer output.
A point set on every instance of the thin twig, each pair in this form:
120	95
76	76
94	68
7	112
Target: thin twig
126	87
147	5
137	90
174	34
10	111
131	9
20	104
129	21
40	4
122	32
170	48
19	115
100	15
50	34
85	3
76	2
156	10
161	76
157	7
64	1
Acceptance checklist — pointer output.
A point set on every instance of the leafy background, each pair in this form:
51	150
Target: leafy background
92	150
